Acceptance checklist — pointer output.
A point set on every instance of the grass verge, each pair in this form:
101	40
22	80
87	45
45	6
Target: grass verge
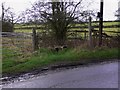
13	64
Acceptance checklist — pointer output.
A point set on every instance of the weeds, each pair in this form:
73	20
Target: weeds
46	57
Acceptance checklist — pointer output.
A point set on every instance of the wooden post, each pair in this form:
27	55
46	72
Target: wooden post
34	40
90	33
1	28
85	35
75	42
101	23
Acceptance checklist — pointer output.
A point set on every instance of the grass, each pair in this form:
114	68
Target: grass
12	64
27	30
18	57
111	29
23	30
17	44
86	24
110	23
26	26
105	30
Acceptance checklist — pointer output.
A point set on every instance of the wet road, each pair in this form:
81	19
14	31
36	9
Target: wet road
93	76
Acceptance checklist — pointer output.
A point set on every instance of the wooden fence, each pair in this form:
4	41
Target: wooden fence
17	41
37	39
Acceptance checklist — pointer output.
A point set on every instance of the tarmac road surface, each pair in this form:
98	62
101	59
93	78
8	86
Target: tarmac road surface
92	76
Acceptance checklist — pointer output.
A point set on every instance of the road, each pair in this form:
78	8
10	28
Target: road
91	76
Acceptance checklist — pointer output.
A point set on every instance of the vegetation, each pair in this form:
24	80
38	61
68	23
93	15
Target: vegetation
25	28
7	19
57	19
57	15
13	64
7	27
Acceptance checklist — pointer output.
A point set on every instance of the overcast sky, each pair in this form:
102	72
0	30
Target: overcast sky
110	6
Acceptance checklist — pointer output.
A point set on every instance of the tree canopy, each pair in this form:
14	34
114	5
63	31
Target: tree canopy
59	16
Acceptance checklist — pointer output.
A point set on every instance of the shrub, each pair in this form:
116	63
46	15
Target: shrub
7	27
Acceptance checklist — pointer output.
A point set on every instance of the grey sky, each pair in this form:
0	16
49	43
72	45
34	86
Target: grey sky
110	6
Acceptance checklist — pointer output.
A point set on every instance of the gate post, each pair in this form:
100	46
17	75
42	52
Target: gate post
34	40
101	23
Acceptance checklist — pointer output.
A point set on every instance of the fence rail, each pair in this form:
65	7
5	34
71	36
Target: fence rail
13	34
75	37
85	26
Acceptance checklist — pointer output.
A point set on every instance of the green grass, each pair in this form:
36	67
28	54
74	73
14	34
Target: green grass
14	61
10	58
43	57
86	24
26	26
111	29
27	30
110	23
97	23
23	30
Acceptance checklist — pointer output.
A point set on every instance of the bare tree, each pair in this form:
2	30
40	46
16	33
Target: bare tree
58	15
118	11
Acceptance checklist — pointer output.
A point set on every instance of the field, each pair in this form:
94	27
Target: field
18	55
28	28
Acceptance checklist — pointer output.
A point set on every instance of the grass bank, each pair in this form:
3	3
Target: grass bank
15	62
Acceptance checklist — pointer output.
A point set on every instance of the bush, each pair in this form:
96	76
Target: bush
7	27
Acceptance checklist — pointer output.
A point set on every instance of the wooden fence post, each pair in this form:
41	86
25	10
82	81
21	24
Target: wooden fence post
101	23
90	33
34	40
85	35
